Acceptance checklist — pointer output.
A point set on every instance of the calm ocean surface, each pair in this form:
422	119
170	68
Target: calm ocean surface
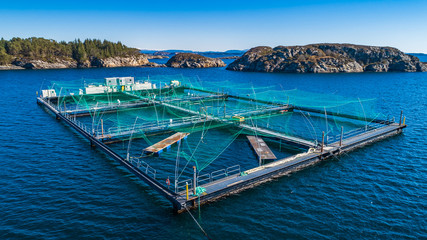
54	185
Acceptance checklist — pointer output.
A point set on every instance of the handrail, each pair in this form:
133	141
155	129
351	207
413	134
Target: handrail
181	184
203	178
218	173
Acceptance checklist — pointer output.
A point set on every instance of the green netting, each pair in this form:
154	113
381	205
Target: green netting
202	108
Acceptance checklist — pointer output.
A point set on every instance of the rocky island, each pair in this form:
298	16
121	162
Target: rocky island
192	60
327	58
40	53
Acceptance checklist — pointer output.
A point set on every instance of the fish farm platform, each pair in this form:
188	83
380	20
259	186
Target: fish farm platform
193	112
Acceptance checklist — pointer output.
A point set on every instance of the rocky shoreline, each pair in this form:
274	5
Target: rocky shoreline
326	58
131	61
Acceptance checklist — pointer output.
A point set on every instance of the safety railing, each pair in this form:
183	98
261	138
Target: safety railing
180	186
233	170
145	167
218	174
73	119
355	132
205	178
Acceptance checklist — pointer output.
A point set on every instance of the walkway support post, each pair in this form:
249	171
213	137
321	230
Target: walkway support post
400	121
186	190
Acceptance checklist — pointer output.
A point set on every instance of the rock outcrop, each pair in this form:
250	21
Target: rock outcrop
326	58
191	60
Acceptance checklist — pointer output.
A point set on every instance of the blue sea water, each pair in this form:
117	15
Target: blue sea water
54	185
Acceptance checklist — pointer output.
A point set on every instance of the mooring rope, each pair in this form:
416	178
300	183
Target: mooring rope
204	232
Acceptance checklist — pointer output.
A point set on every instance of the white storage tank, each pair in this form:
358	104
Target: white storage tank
48	93
143	86
175	83
93	89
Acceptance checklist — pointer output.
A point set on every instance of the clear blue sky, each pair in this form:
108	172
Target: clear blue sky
220	24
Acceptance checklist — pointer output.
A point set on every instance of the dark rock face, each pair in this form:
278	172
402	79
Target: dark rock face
191	60
326	58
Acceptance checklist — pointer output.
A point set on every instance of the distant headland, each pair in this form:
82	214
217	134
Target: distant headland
327	58
40	53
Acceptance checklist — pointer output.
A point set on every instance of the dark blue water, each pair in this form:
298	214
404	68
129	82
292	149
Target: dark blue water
53	185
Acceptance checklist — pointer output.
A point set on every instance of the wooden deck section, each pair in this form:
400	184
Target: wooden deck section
158	147
261	148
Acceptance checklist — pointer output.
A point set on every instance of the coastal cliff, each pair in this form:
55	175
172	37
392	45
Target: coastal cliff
327	58
191	60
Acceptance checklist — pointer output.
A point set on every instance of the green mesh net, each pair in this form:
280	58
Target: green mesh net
213	112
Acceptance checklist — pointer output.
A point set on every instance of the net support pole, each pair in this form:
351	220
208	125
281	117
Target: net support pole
194	180
342	133
323	142
102	127
401	114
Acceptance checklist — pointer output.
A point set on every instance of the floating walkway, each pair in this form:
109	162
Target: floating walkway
107	108
165	143
195	98
147	128
141	102
262	111
261	148
299	142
